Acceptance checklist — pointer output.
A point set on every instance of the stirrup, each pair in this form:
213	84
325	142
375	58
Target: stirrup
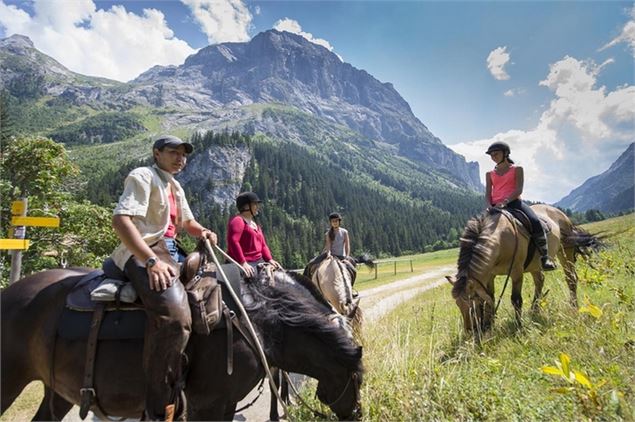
547	263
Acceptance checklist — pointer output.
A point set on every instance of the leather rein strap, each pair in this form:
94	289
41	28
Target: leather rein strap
511	219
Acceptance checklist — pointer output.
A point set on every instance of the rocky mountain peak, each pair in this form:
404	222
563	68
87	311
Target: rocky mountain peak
612	190
16	43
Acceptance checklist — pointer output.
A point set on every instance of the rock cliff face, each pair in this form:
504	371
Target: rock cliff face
611	191
223	81
216	175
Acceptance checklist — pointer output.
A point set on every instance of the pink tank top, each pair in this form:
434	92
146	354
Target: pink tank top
503	186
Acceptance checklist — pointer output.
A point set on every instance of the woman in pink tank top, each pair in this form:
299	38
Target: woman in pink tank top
503	187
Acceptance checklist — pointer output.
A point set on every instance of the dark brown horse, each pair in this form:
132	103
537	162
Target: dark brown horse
495	244
298	331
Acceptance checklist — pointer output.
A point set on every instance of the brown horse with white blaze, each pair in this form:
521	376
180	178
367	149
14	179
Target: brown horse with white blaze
496	244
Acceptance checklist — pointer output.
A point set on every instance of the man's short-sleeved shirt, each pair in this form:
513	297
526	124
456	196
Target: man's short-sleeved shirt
145	199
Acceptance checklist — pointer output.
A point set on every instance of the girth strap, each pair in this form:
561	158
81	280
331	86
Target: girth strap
230	340
87	392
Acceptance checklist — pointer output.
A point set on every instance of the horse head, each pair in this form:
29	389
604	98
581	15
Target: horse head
303	334
341	392
475	303
472	296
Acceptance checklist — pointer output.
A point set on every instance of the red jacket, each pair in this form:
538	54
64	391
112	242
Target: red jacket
245	244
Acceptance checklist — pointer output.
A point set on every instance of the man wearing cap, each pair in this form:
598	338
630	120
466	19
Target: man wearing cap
151	209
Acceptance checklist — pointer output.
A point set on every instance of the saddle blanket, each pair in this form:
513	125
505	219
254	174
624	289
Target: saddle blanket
116	325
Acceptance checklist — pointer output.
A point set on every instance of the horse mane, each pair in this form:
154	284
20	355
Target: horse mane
471	252
290	299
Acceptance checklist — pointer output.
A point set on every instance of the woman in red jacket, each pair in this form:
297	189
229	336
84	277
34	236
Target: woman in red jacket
246	242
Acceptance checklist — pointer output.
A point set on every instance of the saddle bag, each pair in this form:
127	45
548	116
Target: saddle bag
205	298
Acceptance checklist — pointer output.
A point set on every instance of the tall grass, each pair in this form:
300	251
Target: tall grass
420	365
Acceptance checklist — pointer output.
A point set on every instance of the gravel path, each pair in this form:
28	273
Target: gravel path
375	302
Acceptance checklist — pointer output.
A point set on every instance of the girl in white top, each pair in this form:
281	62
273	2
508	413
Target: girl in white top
336	241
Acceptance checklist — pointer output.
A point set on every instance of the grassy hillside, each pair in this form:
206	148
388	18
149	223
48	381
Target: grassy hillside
426	369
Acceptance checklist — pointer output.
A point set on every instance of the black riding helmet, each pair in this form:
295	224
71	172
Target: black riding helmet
499	146
246	198
335	215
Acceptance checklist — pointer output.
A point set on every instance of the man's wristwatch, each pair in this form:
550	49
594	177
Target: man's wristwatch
151	262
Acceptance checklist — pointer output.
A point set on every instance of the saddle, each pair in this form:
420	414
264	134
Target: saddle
103	305
523	221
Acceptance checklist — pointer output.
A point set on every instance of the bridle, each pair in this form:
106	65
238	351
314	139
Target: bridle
353	378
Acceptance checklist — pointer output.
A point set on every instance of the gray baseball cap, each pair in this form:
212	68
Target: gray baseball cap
172	141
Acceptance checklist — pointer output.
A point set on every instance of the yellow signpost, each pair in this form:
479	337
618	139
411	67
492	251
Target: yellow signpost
36	221
14	244
20	221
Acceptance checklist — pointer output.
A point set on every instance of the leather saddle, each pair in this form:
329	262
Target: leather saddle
525	225
523	221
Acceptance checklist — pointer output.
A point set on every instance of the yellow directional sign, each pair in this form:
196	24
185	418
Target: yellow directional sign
17	207
14	244
36	221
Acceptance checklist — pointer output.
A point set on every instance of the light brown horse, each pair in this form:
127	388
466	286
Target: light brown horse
333	279
497	244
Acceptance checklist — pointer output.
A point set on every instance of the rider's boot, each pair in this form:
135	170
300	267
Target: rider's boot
545	260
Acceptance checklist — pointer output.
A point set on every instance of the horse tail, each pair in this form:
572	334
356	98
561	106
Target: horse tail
583	242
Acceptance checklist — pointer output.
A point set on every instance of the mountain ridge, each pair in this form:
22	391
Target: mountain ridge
273	67
611	190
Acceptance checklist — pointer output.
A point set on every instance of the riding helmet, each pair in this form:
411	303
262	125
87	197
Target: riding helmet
335	215
246	198
499	146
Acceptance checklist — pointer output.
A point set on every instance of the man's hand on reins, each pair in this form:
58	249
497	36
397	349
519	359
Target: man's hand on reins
210	235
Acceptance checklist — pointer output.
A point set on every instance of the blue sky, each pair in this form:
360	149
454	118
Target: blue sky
563	129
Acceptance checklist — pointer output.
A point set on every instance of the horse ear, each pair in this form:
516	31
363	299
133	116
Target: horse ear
450	279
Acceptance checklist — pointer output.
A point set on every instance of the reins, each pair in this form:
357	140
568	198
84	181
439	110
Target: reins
316	412
250	327
511	264
271	382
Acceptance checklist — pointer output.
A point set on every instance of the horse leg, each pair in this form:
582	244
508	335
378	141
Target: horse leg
273	407
13	381
517	296
539	281
284	389
567	258
53	407
230	410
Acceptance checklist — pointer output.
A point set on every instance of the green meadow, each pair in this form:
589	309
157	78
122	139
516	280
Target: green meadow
563	364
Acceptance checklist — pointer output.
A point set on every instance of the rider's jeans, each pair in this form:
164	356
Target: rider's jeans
174	250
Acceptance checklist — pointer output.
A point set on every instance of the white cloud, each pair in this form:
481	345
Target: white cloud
222	20
514	92
584	129
294	27
626	36
496	61
111	43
